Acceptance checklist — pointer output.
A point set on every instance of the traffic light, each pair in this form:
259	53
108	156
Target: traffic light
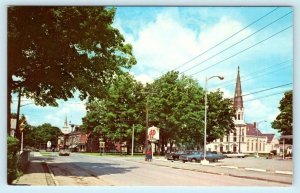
22	125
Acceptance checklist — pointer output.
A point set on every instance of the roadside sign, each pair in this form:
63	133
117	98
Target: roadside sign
153	133
102	144
49	144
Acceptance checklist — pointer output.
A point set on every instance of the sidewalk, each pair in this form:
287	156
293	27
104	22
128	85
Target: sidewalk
249	173
36	174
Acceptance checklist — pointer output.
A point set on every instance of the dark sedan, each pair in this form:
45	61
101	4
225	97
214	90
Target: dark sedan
198	156
175	155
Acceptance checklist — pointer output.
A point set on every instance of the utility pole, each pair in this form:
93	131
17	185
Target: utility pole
147	123
18	112
132	141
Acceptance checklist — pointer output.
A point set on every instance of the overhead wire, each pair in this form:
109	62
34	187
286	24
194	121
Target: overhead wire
255	21
255	72
265	96
227	48
237	53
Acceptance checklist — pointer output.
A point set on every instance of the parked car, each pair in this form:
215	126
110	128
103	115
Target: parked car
175	155
64	152
236	155
197	156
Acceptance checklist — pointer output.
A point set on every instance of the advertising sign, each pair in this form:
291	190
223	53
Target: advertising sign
153	133
49	144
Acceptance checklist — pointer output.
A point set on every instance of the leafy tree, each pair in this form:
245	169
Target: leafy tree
54	51
41	135
284	121
174	108
219	116
114	116
177	108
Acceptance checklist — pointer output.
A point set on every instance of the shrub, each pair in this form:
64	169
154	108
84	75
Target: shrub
13	163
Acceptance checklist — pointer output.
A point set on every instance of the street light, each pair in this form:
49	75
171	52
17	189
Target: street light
256	127
204	161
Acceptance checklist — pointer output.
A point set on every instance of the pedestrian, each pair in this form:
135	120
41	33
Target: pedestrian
148	152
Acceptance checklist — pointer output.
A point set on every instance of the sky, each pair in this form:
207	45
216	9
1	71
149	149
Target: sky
202	42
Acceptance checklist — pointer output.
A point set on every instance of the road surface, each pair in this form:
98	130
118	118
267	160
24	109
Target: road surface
84	170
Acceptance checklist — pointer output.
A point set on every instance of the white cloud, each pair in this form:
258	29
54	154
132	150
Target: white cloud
53	119
143	78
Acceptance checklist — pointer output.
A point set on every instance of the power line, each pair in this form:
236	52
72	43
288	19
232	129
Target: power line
255	72
237	42
267	89
265	96
226	39
243	50
250	78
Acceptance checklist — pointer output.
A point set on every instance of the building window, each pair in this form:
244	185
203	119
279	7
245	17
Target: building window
239	117
227	147
252	146
216	147
234	136
227	138
221	139
248	144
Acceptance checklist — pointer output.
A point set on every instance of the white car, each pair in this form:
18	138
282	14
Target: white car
236	155
64	152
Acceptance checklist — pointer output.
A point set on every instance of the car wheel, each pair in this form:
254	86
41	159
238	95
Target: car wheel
194	160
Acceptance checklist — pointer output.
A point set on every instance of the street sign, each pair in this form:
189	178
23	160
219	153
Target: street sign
49	144
102	144
153	133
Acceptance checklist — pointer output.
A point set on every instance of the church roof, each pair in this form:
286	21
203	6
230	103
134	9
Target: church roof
270	137
238	99
251	130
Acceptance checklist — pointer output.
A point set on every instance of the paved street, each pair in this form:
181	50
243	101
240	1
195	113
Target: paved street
80	169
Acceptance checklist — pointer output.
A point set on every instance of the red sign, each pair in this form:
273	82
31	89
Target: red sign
153	133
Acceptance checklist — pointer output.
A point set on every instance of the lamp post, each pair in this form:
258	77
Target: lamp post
132	140
204	161
256	127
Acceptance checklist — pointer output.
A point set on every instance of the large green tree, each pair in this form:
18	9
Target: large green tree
177	108
38	136
54	51
114	116
284	121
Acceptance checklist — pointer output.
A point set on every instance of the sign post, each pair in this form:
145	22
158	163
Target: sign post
153	136
48	144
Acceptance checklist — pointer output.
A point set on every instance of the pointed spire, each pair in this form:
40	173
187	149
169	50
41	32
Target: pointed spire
66	122
238	99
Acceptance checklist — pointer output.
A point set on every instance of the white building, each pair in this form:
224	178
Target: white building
245	138
66	128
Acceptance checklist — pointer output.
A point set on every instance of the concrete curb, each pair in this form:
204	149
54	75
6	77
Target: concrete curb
283	172
51	173
240	168
230	167
256	169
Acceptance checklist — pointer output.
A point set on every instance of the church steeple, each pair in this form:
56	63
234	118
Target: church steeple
238	99
66	121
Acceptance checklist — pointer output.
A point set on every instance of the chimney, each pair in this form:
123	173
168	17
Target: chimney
254	125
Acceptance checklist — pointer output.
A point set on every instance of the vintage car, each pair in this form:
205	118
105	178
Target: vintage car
197	156
64	152
175	155
236	155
